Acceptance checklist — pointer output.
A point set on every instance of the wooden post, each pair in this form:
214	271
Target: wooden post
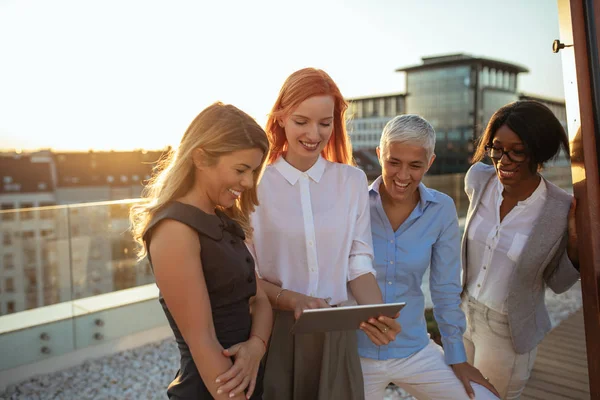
580	27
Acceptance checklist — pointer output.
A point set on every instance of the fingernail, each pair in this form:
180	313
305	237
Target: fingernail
371	320
381	318
231	394
219	391
218	380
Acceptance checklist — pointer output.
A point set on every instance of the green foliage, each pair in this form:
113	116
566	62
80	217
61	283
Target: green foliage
432	327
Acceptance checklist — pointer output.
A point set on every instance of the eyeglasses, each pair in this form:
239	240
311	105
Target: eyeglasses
513	155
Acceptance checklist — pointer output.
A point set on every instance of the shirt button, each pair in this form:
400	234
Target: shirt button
250	278
389	282
478	285
248	259
484	267
310	242
391	241
391	262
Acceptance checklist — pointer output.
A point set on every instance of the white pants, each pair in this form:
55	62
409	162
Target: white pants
425	375
489	348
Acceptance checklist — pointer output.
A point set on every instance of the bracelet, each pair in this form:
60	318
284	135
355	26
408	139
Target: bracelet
261	339
277	297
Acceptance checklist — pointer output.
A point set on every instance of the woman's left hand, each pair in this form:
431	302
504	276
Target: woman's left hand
572	250
466	373
382	330
244	370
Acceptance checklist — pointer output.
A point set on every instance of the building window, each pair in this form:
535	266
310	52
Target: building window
46	232
369	108
381	107
28	235
30	256
7	215
7	239
8	261
9	285
26	213
454	136
10	307
32	279
47	213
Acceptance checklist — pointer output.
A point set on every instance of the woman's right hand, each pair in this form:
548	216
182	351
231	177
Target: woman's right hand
302	302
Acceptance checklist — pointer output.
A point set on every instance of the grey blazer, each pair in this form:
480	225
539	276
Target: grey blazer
543	261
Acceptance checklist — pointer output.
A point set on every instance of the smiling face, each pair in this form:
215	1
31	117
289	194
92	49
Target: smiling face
307	130
233	173
403	166
511	173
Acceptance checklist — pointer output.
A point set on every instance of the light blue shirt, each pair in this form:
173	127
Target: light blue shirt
429	237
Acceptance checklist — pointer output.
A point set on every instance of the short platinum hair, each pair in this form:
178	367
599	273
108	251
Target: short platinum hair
410	129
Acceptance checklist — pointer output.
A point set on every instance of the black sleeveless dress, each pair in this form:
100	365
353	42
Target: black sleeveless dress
229	273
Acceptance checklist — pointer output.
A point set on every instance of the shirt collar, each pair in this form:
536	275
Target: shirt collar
292	174
538	193
425	193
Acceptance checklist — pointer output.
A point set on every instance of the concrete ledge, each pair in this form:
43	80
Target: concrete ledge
70	309
54	331
77	357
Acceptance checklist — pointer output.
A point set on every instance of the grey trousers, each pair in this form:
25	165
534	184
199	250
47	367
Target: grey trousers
311	366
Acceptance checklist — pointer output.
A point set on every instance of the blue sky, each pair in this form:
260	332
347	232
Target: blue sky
79	75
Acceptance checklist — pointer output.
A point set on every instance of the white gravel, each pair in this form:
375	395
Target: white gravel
145	372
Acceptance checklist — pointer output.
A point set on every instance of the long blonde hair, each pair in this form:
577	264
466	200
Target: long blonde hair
217	130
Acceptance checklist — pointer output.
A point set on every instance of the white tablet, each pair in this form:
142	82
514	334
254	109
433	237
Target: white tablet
342	318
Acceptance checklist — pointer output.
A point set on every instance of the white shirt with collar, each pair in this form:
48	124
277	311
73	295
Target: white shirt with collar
494	247
312	230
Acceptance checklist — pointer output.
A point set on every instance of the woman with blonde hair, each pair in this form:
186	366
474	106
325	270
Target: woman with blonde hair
192	228
312	241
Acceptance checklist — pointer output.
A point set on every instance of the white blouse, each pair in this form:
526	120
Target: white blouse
312	230
494	247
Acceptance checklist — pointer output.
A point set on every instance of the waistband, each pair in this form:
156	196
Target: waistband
476	306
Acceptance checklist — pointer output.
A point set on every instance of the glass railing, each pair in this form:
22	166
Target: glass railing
56	254
51	255
61	269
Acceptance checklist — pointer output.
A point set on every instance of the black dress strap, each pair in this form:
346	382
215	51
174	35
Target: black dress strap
205	224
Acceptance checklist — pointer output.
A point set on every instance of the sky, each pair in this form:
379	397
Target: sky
132	74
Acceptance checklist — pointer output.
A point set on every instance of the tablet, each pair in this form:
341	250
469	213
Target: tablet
342	318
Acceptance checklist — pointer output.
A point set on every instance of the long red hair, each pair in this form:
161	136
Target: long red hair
299	86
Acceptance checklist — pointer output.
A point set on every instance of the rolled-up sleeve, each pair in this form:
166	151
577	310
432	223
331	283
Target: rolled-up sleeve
361	251
446	287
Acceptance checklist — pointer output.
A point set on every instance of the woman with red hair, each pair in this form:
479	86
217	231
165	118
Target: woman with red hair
312	241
